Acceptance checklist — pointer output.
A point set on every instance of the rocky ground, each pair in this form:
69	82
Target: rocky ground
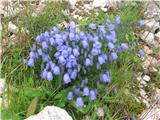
150	37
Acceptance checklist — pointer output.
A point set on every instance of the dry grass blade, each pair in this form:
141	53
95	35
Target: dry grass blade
32	107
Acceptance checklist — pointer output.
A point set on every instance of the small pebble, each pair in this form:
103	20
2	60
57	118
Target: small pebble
146	78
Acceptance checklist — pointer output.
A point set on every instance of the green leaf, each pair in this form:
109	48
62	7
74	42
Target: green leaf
32	92
32	107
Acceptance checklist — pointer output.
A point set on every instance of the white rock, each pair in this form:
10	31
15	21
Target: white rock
2	86
51	113
100	112
12	28
99	3
157	36
151	113
151	25
146	78
148	37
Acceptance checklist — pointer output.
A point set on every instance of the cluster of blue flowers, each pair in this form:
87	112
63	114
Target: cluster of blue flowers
70	52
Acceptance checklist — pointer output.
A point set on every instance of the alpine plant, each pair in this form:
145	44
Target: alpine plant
72	54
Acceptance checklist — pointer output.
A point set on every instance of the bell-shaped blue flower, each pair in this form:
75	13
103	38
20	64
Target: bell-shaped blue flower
85	44
86	91
44	45
73	74
49	76
118	21
52	41
113	56
62	60
32	54
110	46
88	62
40	52
141	23
141	53
79	102
30	62
76	52
101	60
71	36
56	70
92	26
66	78
77	90
124	46
70	96
94	51
92	95
44	74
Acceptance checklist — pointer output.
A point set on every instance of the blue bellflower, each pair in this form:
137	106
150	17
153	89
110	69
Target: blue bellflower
79	102
86	91
66	78
70	96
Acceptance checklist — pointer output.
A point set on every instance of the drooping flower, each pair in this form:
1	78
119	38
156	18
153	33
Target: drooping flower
79	102
94	51
113	56
82	35
73	74
110	46
92	26
39	39
92	95
40	51
111	26
88	62
97	45
124	46
72	25
76	52
70	96
32	54
49	76
52	41
65	53
76	90
105	77
62	60
86	91
44	45
118	21
71	36
141	23
141	53
101	60
56	70
44	74
30	62
66	78
85	44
